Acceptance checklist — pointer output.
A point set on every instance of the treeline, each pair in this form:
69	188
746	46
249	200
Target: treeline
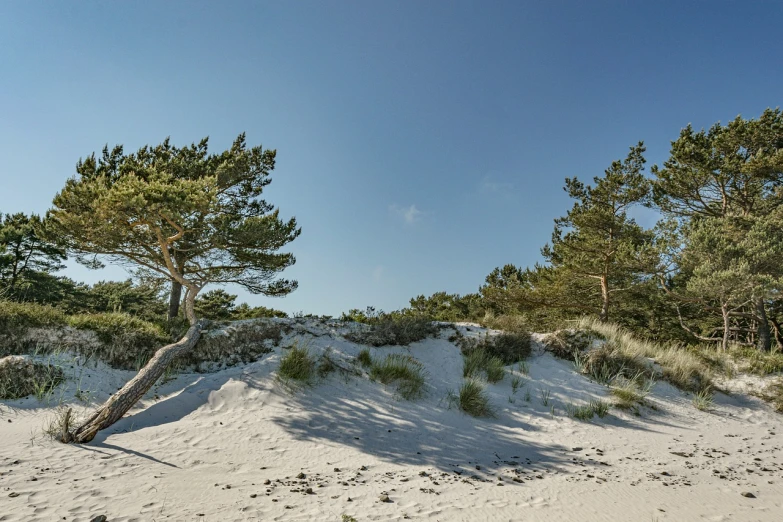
711	270
30	260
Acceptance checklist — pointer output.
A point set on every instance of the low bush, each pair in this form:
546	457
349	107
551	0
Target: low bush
564	343
607	363
473	399
509	348
20	377
124	339
297	365
403	370
395	330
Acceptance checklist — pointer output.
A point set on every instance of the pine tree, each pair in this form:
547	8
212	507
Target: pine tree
596	240
150	211
727	173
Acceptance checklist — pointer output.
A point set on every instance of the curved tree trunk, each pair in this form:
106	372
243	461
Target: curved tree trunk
122	401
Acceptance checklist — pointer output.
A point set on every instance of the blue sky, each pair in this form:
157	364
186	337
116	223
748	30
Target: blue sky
420	144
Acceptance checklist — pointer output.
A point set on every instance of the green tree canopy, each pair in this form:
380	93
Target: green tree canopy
596	240
157	212
26	256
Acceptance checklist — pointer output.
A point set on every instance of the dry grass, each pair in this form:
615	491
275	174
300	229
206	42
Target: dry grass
679	366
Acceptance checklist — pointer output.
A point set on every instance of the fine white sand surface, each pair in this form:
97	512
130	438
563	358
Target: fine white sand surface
239	444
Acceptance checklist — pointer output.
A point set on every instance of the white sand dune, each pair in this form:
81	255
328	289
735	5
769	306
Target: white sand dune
229	446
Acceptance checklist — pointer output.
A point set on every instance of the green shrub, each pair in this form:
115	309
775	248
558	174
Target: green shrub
607	362
125	339
404	370
297	365
508	347
473	399
17	318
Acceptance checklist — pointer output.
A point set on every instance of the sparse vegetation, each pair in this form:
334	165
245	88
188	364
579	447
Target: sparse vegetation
473	399
703	400
545	396
630	392
588	411
516	383
403	370
364	358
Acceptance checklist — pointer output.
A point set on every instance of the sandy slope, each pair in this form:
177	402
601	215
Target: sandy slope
203	446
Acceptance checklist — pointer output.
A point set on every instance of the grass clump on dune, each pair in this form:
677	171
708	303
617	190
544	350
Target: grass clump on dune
588	411
403	370
297	365
679	366
364	358
630	392
477	362
472	399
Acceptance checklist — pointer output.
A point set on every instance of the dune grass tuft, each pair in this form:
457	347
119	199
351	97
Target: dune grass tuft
406	372
297	364
364	358
588	411
473	399
478	362
703	400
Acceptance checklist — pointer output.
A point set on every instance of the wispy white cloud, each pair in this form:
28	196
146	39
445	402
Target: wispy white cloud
492	186
377	273
409	214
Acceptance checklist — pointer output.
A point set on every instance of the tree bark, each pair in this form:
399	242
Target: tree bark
764	341
726	327
122	401
604	315
175	298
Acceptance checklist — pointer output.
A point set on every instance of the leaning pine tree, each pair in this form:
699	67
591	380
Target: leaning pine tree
128	209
